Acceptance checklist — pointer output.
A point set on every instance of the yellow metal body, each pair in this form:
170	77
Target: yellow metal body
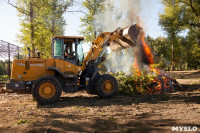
32	69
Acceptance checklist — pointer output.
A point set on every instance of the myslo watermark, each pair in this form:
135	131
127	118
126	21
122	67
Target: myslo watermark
185	128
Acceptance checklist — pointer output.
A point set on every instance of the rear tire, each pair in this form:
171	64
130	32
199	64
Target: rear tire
46	90
106	86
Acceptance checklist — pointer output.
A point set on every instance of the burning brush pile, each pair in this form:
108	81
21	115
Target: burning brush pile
144	58
145	77
145	83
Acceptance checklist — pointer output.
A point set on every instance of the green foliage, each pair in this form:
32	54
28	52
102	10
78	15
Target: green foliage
111	118
133	84
85	110
4	77
193	49
180	15
92	7
40	21
161	50
2	68
23	121
170	23
185	13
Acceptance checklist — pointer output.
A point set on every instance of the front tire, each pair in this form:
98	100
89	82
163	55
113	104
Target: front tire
106	86
46	90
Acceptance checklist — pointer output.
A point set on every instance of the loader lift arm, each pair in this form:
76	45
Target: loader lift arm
121	38
116	40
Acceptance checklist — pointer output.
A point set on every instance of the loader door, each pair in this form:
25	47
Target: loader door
70	56
70	53
75	50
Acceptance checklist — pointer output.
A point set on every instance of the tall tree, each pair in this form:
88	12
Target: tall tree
50	22
179	15
189	13
92	7
193	49
40	20
26	9
169	22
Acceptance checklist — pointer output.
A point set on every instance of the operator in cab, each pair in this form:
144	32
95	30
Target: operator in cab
68	52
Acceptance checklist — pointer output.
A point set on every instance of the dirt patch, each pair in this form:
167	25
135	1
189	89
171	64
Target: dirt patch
81	112
185	74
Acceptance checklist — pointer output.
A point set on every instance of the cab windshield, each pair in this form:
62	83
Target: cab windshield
80	54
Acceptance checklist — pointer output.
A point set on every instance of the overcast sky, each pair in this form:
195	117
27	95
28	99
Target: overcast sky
9	21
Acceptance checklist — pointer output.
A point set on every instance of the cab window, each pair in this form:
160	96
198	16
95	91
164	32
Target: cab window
57	47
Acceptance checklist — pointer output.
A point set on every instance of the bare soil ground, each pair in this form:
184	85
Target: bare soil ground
81	112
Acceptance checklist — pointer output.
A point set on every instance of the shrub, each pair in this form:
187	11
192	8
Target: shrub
133	84
3	77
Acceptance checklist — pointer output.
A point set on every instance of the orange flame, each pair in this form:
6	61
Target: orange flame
136	66
147	51
148	55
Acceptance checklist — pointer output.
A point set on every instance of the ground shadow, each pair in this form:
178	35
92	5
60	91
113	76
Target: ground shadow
99	125
184	94
140	124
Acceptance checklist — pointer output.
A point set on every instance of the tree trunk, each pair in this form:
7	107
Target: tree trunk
32	28
53	27
173	37
53	19
173	56
181	66
95	31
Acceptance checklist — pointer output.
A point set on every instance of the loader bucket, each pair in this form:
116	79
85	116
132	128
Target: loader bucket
128	38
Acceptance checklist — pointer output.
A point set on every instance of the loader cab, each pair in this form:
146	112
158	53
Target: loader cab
68	48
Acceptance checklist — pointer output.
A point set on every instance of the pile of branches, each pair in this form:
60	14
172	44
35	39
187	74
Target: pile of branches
145	83
163	83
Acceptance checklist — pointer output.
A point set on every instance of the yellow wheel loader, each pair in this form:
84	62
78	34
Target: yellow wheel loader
67	70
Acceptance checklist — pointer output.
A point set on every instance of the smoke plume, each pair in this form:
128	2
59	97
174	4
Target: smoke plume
119	13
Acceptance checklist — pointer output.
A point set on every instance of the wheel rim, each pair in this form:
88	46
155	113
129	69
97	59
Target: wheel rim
47	90
108	86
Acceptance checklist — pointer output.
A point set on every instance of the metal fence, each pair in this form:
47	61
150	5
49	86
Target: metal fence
7	52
